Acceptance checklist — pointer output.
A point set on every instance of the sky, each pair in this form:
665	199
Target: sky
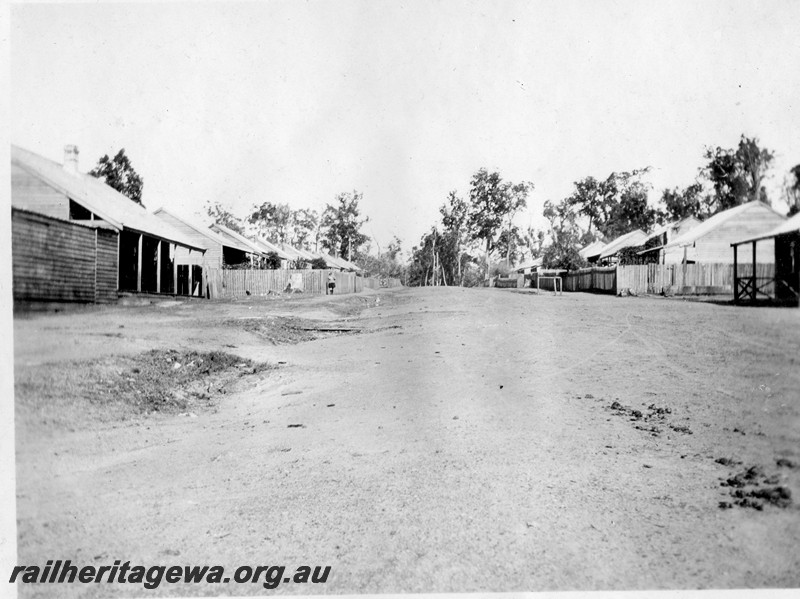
295	102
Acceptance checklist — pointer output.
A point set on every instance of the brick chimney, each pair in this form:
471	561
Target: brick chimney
71	159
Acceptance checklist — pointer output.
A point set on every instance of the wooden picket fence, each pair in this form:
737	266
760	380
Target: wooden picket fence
687	279
230	283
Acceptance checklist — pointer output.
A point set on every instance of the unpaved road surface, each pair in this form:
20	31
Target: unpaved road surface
465	440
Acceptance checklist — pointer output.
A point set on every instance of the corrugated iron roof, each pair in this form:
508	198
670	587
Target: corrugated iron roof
93	194
205	231
792	225
633	238
268	247
715	221
593	249
231	234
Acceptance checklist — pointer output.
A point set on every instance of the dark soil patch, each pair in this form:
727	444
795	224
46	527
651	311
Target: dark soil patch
754	488
654	415
121	387
280	330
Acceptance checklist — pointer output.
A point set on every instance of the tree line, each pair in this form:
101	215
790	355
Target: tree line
477	238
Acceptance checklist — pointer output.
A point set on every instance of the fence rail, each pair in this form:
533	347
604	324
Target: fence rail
227	283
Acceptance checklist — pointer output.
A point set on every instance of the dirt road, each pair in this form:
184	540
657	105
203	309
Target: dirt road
466	440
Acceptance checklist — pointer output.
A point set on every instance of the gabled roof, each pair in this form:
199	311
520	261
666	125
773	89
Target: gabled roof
292	252
94	195
227	233
535	263
204	231
790	226
678	225
633	238
593	249
304	253
268	247
715	221
334	261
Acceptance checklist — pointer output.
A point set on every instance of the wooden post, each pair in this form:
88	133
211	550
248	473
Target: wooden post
139	265
191	286
735	274
174	268
754	291
119	258
685	260
158	267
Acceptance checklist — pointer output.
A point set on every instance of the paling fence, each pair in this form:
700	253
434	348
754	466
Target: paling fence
602	279
381	283
227	283
688	278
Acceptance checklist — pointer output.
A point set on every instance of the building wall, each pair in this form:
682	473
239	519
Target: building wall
30	193
106	266
54	260
715	246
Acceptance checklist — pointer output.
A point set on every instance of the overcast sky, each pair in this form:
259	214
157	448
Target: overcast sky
296	101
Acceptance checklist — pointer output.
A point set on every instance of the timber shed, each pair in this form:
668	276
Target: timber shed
145	245
55	260
784	285
710	241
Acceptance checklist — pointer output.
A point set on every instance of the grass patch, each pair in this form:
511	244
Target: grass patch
121	387
280	330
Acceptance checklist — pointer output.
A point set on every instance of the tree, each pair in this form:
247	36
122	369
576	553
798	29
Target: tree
614	206
632	212
394	249
271	221
304	228
534	242
792	190
737	175
510	239
455	238
341	226
385	264
684	203
319	263
120	174
592	198
509	244
565	234
222	216
755	162
493	204
272	261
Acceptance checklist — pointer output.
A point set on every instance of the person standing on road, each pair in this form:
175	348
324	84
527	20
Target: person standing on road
331	283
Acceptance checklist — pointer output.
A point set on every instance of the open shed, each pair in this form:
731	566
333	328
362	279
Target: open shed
784	285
